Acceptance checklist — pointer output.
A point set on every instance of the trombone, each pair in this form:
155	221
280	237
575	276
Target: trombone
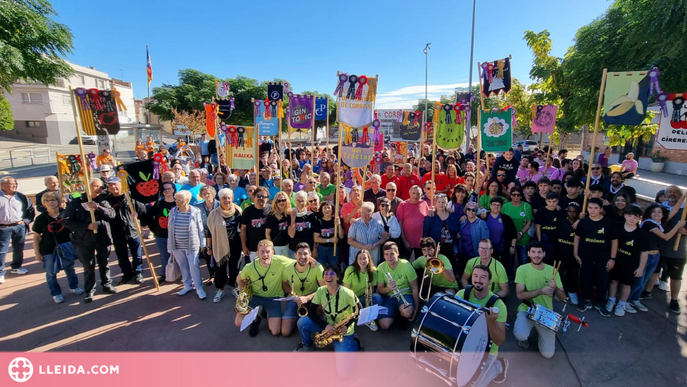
433	267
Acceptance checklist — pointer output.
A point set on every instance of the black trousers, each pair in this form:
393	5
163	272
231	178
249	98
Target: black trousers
89	256
570	273
594	274
122	247
209	262
228	272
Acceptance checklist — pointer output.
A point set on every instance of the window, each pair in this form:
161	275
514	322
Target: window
100	84
82	80
31	98
66	100
61	83
33	124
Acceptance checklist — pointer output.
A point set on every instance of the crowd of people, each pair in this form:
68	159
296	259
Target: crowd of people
336	240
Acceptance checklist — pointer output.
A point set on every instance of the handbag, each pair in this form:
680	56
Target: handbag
172	270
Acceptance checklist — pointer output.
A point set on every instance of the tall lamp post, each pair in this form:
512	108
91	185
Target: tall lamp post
472	49
424	121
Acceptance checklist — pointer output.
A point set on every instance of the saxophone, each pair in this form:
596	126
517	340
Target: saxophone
325	338
244	297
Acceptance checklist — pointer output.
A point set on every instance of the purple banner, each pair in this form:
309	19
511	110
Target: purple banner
302	114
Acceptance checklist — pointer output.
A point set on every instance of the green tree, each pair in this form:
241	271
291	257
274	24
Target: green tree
521	99
6	121
32	43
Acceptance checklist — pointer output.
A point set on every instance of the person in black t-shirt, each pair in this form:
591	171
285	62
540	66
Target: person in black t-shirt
157	221
323	234
633	253
596	247
539	199
253	223
302	224
546	220
278	222
573	189
565	251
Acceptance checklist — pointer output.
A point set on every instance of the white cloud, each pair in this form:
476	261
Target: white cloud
406	97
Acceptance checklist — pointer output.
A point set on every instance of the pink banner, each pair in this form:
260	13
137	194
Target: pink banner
544	118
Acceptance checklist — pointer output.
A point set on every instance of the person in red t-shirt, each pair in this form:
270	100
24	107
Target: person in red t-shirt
389	176
406	180
440	179
453	178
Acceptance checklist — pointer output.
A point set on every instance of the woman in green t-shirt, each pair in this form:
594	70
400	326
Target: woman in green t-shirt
360	276
522	216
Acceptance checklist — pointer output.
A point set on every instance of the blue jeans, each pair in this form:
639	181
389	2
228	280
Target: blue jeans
50	266
522	254
325	255
640	283
16	235
307	328
164	253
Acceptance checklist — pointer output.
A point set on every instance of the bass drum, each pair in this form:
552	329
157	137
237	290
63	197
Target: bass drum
450	339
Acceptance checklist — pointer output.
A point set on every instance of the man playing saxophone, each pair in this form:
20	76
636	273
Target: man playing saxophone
397	283
299	279
339	306
443	280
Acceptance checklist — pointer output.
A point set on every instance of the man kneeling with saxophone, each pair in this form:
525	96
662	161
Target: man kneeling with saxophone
340	307
299	279
397	283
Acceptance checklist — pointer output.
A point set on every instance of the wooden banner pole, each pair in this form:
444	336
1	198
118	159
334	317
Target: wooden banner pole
478	177
312	141
596	132
327	125
434	158
84	166
140	234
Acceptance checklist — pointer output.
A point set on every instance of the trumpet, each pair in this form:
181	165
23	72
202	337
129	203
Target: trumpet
368	294
243	300
302	310
433	267
325	338
395	292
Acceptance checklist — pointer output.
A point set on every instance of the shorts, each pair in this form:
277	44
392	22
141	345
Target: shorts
392	305
661	261
272	307
291	310
623	272
675	267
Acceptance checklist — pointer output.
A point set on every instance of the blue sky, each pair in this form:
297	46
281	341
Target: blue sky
306	42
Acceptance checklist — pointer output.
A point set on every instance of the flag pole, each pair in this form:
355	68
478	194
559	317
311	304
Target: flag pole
596	132
84	166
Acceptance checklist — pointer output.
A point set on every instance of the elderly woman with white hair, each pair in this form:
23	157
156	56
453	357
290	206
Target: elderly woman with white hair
208	194
224	244
186	236
366	234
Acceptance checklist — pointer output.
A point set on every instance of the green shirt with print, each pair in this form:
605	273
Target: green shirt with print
520	215
498	273
326	191
358	281
535	279
303	283
270	276
503	313
338	306
439	279
404	274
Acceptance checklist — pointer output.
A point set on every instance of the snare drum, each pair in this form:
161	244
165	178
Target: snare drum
547	318
450	339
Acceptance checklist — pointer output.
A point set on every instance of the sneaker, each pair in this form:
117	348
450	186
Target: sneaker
662	286
2	279
209	282
674	306
109	289
645	295
202	295
234	293
629	308
58	299
639	306
500	378
89	297
77	291
218	296
254	327
20	271
373	326
524	344
573	298
139	278
620	312
603	311
610	305
161	280
584	306
304	348
183	291
125	279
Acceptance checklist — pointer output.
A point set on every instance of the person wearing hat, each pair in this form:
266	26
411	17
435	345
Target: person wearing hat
105	173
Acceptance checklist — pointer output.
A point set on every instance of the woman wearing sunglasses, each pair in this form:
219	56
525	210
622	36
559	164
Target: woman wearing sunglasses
278	222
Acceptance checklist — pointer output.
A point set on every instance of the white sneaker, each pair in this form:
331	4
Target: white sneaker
629	308
183	291
639	306
573	298
20	271
610	305
620	312
2	279
58	299
234	293
663	285
218	296
77	291
373	326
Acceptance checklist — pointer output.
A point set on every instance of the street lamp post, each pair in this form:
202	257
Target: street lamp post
424	121
472	49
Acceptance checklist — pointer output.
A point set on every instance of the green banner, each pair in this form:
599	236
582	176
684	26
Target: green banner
496	130
450	135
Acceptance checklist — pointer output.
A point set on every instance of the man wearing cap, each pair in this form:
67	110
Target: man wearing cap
124	233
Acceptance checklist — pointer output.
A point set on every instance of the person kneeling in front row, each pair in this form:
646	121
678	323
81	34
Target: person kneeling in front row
397	283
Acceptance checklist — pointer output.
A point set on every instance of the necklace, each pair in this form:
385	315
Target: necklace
302	279
262	277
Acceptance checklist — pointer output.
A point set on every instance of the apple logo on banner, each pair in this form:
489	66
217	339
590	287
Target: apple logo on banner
20	369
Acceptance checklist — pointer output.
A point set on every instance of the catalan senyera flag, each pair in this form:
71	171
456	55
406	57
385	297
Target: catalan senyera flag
149	67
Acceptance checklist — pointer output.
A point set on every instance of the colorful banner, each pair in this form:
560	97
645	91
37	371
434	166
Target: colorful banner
302	114
450	125
99	110
496	77
496	131
210	118
222	89
672	131
411	125
321	108
243	142
70	173
626	97
224	108
544	118
356	99
265	121
377	136
358	149
464	98
144	183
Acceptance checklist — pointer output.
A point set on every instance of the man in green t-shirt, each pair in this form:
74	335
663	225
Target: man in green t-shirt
521	214
325	188
265	274
535	284
300	280
337	303
497	315
499	278
444	282
396	275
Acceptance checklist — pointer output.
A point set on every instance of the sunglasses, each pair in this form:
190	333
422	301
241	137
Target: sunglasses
471	209
261	196
384	205
391	189
281	200
501	175
595	168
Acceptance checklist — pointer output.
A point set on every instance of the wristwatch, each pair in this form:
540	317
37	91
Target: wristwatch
327	240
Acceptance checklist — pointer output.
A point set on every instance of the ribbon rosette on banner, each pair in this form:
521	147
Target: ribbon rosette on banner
449	122
543	118
497	129
99	110
267	124
627	95
672	131
222	89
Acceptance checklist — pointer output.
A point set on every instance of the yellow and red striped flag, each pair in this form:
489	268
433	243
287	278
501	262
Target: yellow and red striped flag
149	67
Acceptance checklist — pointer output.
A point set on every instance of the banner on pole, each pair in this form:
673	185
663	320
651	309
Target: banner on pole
222	89
302	114
496	77
143	180
266	122
496	130
356	99
210	118
626	97
544	118
411	125
450	126
243	141
377	136
672	131
224	108
99	110
358	149
321	108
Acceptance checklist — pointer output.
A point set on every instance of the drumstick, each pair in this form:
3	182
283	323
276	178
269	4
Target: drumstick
555	269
